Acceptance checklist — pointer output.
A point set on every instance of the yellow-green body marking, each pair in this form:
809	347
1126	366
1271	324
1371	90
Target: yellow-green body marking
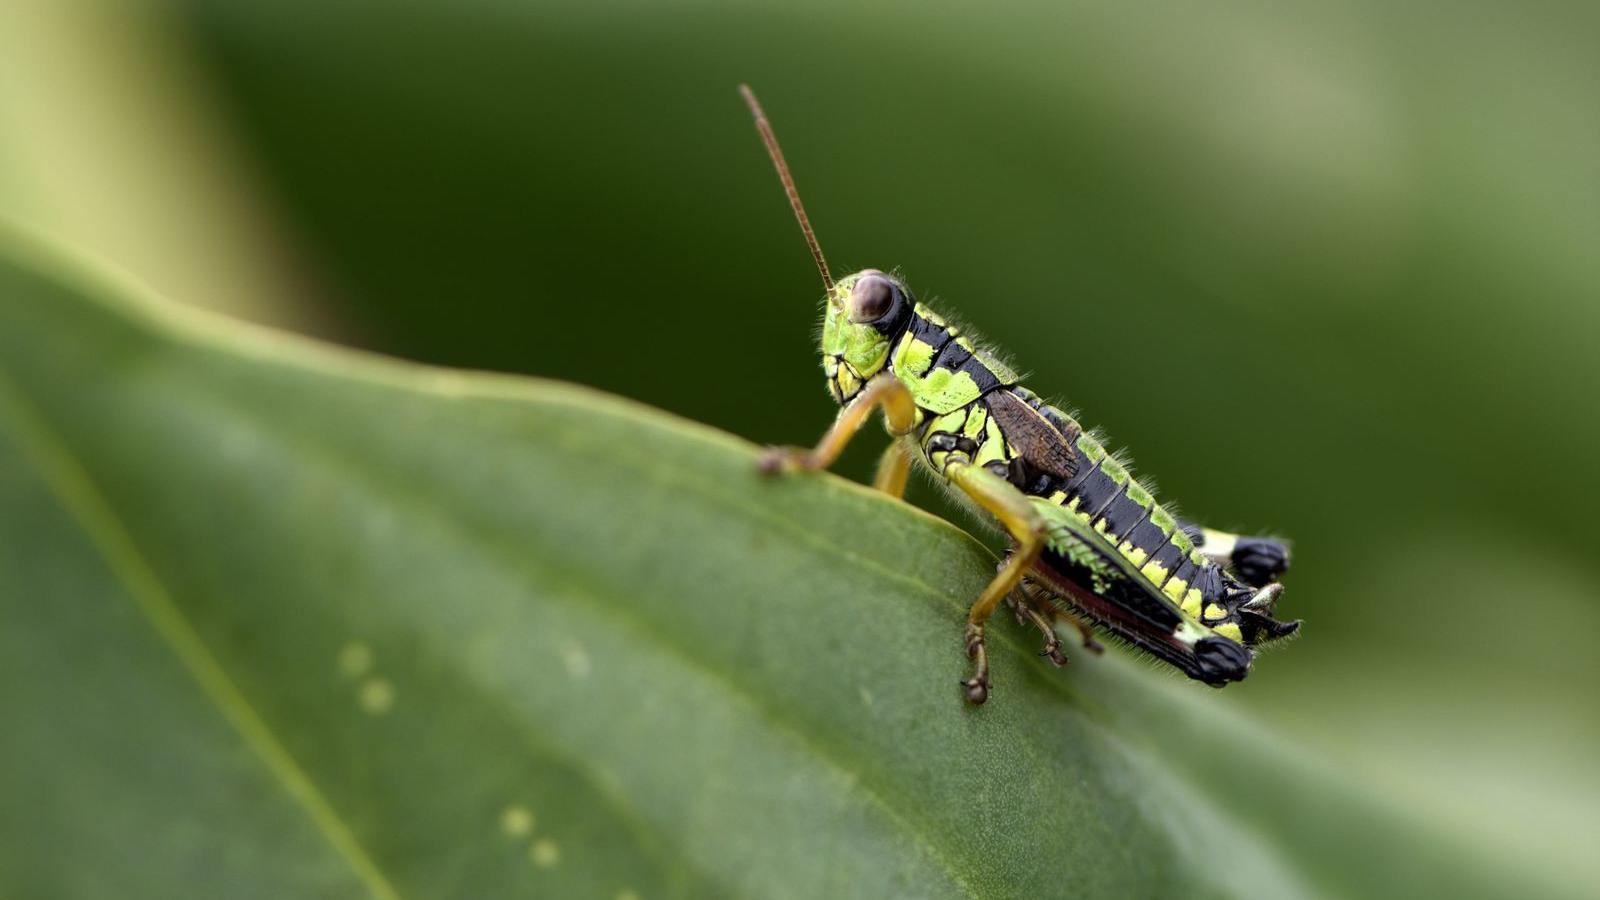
1089	541
1113	554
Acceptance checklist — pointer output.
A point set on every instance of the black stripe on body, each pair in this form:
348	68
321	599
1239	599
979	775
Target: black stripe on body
1148	536
1122	515
1094	489
981	374
1170	558
935	336
1184	574
951	356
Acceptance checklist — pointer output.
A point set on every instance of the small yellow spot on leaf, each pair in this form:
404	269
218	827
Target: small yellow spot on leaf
627	894
355	659
377	696
544	853
516	821
576	660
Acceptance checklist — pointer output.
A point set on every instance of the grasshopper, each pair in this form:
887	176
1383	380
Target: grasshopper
1088	543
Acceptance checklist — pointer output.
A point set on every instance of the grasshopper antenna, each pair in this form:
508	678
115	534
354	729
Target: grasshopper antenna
778	162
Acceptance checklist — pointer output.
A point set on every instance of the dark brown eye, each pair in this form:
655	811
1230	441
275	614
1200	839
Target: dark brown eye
871	298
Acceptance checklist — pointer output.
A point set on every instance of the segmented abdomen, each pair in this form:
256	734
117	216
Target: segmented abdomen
1047	454
973	409
1106	496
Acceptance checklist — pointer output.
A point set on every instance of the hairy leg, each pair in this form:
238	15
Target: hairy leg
883	390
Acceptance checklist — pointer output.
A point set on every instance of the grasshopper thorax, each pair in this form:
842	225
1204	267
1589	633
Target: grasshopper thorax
866	311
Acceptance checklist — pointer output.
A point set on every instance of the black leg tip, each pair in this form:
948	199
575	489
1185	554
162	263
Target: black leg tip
771	461
977	691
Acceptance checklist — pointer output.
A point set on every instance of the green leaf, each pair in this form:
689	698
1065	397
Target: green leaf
284	620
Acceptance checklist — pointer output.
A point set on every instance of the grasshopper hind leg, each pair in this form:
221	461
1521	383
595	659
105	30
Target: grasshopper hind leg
1013	509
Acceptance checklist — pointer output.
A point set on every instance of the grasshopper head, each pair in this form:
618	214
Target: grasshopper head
866	312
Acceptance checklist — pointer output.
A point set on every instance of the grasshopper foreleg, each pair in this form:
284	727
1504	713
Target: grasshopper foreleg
899	411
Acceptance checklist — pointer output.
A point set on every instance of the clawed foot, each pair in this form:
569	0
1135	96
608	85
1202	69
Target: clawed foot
777	460
1052	651
1028	615
977	690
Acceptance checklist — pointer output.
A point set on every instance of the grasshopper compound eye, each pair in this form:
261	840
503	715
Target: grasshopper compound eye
872	297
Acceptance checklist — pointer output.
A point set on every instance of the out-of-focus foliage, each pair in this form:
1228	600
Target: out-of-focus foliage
106	137
1328	270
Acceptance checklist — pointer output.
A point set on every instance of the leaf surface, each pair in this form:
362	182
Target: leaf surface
285	620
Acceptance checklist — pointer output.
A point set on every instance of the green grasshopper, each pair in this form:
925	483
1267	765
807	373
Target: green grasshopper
1089	544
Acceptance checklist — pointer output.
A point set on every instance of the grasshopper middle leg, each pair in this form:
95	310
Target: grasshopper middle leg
1030	609
1049	604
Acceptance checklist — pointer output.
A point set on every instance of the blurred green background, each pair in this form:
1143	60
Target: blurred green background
1330	270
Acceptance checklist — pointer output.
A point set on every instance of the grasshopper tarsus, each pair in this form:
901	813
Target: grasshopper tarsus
1027	611
977	690
776	460
1052	651
770	462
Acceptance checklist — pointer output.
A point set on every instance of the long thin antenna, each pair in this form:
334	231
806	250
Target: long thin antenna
778	162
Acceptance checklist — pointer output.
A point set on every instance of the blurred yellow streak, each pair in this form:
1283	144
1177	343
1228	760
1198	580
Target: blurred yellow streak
109	140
